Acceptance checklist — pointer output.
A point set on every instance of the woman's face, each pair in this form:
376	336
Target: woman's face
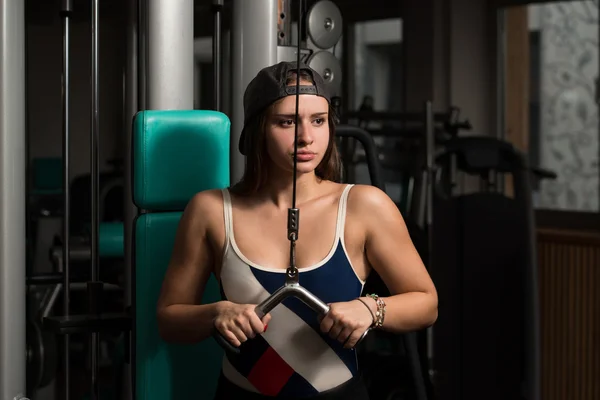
313	132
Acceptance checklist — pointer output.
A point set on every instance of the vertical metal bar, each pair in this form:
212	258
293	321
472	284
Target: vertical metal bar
253	22
429	182
348	62
501	84
129	109
142	61
284	22
170	54
226	72
94	150
218	7
12	199
94	144
67	9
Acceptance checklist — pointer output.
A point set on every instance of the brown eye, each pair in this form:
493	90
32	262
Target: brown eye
286	122
319	121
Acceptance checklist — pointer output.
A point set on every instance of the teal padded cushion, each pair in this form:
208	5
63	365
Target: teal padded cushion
111	240
167	371
176	152
175	155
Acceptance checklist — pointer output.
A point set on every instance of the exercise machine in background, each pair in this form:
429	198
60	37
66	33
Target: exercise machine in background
484	262
482	254
478	243
400	145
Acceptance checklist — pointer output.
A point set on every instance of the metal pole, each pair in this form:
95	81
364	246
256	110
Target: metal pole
94	287
284	22
226	72
12	199
66	12
429	182
142	61
218	7
94	143
129	109
170	36
253	47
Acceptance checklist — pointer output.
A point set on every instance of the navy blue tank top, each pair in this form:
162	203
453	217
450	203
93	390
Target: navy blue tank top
293	356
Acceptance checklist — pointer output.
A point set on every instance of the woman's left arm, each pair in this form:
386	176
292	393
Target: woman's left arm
389	249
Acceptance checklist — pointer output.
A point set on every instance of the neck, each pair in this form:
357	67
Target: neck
280	191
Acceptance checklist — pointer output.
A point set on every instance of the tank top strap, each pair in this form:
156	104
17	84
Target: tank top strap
341	218
227	214
341	215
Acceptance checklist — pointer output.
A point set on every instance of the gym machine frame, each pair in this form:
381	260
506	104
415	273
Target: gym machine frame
94	322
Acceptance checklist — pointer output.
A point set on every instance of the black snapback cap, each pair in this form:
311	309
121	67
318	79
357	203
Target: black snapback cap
269	85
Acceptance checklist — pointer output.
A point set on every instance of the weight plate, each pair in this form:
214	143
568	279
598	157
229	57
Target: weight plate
324	24
329	68
50	358
35	356
42	356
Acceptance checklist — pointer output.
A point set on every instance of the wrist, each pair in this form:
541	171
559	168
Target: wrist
219	308
365	302
380	309
371	303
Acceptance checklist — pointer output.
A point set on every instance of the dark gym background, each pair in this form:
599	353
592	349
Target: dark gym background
484	57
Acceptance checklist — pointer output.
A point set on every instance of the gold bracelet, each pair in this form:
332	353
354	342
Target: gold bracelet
380	314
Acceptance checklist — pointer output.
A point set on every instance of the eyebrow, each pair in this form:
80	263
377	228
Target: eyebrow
319	114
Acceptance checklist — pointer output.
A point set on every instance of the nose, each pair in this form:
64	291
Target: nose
305	133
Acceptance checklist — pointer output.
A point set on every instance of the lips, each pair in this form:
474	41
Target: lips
305	156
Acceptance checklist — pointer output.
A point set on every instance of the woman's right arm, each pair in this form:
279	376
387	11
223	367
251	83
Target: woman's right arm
181	318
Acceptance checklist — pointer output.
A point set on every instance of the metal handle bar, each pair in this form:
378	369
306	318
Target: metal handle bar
294	290
288	290
272	301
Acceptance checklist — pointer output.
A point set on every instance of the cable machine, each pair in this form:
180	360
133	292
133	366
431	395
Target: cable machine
95	320
322	26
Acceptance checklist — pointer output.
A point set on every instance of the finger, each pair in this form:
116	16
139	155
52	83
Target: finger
256	324
249	331
231	338
227	334
326	324
266	319
353	339
344	334
239	334
242	323
335	331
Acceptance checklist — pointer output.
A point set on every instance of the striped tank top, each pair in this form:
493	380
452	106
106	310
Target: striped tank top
293	357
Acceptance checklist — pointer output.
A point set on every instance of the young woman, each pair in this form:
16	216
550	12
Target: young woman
240	235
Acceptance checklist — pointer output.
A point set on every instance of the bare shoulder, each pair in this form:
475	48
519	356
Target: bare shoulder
374	212
205	206
370	200
206	200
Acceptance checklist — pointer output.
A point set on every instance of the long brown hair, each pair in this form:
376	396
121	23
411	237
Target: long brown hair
257	160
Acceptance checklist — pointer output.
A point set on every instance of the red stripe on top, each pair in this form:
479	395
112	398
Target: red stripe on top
270	373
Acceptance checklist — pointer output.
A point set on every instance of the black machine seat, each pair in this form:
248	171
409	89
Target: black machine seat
482	153
485	269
